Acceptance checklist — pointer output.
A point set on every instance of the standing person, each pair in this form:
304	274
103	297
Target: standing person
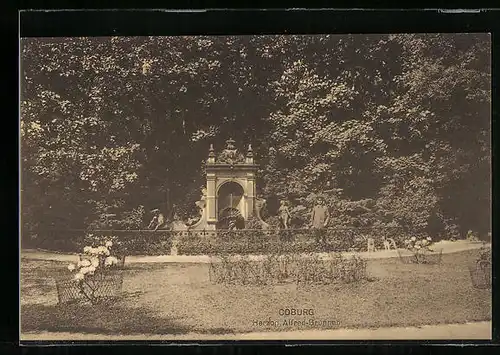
284	214
319	220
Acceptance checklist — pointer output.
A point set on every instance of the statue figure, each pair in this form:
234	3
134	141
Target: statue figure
157	221
320	217
202	202
284	214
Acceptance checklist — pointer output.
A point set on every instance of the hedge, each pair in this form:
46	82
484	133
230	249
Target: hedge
291	241
213	247
125	242
147	242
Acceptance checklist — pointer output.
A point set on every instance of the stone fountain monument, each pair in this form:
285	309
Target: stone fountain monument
230	189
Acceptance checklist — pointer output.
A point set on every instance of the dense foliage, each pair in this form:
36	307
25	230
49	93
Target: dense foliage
392	129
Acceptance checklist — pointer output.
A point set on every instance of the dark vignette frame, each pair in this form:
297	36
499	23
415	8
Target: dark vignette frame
244	22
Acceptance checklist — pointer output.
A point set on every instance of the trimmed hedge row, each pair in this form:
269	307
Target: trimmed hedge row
124	242
300	241
213	247
136	242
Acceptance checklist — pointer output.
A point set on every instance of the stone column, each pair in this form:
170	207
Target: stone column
250	194
242	206
211	209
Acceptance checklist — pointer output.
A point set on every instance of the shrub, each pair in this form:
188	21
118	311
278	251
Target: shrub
278	268
452	230
480	272
421	252
135	242
208	246
472	236
484	255
273	222
133	219
119	246
61	241
253	223
337	269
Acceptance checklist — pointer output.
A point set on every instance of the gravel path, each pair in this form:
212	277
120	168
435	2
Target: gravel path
467	331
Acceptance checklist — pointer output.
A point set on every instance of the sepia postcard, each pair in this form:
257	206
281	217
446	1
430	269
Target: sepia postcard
256	187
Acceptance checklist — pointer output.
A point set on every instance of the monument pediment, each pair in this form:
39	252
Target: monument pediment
230	156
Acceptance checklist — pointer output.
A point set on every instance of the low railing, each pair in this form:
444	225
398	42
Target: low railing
159	242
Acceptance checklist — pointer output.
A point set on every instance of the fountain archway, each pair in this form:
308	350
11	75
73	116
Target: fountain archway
230	195
230	187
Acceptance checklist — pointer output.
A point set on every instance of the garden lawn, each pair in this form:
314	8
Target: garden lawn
179	298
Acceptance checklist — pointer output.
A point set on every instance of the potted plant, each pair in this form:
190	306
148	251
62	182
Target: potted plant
96	276
480	272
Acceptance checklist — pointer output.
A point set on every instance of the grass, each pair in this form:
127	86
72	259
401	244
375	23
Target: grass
178	298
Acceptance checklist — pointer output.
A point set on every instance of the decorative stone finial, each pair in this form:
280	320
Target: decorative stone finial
211	154
249	159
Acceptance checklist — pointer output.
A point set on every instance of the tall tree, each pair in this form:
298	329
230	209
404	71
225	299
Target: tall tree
391	126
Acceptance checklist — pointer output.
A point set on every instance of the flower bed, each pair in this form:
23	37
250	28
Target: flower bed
277	268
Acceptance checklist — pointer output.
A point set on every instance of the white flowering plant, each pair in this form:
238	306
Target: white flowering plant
91	269
119	246
472	236
419	247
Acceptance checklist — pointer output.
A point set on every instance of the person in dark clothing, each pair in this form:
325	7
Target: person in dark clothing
320	217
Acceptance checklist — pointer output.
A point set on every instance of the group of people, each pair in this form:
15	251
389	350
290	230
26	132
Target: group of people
320	216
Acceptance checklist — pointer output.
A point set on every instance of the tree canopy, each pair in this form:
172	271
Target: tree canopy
392	129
